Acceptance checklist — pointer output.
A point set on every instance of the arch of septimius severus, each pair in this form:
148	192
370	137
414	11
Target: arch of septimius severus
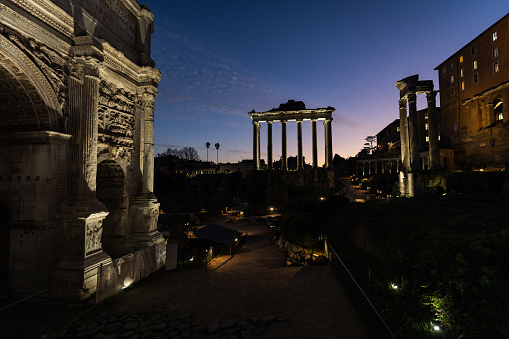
77	96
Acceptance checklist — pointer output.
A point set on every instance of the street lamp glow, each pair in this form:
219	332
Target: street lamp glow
436	328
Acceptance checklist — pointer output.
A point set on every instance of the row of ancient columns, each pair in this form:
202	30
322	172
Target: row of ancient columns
300	158
387	166
409	132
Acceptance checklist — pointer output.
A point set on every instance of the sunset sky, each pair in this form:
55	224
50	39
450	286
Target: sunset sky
221	59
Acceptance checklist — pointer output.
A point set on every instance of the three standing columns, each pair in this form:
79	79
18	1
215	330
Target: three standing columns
409	133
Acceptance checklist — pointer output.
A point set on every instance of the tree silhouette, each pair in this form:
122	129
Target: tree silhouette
207	144
217	148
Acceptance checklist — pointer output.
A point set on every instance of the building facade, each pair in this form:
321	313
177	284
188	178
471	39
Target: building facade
474	99
76	140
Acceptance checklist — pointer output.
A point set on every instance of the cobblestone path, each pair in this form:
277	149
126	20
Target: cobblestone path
250	294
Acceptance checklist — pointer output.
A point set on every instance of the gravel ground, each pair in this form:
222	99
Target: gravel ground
252	283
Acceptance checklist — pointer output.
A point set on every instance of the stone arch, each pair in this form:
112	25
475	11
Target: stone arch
5	233
498	109
27	100
111	191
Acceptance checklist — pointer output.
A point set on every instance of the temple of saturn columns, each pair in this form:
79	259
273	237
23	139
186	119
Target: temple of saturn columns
76	143
292	111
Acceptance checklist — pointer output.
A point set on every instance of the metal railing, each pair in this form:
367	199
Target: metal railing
370	316
44	313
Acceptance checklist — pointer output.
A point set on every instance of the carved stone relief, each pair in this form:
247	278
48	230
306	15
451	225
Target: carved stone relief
93	236
116	120
51	64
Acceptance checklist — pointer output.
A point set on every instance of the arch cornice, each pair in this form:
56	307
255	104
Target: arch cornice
21	65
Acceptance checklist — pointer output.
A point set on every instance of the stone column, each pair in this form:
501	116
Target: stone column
413	132
434	148
284	157
328	142
81	249
299	145
88	132
269	145
147	100
256	145
315	147
144	209
403	133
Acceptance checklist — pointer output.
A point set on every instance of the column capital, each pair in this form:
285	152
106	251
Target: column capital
412	97
256	123
146	100
431	96
92	67
402	103
270	122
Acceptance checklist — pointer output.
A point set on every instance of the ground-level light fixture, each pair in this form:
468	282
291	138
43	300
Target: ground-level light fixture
322	198
436	328
394	286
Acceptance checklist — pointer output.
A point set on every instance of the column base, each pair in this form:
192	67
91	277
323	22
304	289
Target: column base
144	213
78	275
406	184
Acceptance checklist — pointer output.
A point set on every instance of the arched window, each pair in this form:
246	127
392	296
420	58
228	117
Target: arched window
497	109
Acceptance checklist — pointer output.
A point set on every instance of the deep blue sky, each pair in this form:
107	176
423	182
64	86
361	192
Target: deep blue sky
221	59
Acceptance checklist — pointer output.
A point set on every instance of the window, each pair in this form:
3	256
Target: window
443	71
475	64
495	52
497	109
426	115
461	59
397	129
494	36
452	79
455	127
461	73
427	138
495	67
451	65
474	49
462	85
475	78
426	126
452	90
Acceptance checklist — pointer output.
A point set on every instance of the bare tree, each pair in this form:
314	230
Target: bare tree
217	151
368	146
